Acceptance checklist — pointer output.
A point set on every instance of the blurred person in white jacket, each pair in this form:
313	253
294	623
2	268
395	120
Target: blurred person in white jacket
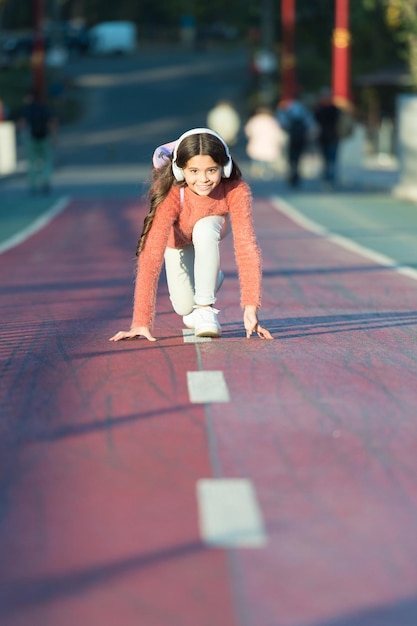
265	143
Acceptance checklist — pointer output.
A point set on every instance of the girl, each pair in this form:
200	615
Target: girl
195	191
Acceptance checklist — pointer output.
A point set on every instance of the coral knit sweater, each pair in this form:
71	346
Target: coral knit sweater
173	226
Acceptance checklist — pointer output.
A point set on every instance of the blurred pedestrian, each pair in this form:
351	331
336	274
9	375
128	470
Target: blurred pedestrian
328	117
297	121
196	198
265	141
4	111
225	120
39	125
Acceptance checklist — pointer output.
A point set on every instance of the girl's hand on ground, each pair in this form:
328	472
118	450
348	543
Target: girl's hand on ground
263	333
136	331
250	320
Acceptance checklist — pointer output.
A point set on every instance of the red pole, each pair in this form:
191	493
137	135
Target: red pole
288	51
38	52
341	55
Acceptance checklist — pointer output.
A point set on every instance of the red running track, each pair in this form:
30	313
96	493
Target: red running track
101	448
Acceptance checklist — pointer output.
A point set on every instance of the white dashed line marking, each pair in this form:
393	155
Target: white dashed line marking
229	514
207	387
382	259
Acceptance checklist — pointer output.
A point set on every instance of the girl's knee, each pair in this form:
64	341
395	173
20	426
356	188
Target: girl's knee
183	307
208	229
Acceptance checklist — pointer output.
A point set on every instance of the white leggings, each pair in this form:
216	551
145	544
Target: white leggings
192	272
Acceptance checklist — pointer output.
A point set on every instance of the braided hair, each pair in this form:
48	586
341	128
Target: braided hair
162	181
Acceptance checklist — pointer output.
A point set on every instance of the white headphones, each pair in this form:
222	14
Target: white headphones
178	172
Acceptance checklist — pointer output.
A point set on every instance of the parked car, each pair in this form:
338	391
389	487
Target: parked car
113	38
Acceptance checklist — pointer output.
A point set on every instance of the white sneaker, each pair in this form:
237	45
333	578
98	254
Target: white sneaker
189	319
204	321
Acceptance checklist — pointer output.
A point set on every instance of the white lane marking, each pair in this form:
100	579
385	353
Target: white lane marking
207	386
229	514
189	337
297	217
36	225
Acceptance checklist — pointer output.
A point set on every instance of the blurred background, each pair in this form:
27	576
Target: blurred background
49	43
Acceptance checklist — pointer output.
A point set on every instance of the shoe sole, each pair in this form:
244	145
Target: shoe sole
208	331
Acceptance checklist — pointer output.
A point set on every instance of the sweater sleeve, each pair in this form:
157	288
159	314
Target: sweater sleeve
151	259
247	252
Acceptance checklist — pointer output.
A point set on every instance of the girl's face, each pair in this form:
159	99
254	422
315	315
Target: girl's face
202	174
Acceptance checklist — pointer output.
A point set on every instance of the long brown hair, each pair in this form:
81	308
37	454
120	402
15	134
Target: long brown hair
162	179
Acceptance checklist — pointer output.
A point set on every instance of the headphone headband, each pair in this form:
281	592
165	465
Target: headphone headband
178	172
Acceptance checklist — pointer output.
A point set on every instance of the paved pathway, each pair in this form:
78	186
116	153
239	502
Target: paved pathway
231	482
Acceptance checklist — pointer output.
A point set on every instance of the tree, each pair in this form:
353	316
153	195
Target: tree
401	18
373	43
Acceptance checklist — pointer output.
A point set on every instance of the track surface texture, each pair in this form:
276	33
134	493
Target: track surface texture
102	451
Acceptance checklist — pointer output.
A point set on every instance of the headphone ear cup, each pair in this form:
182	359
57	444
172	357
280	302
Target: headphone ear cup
177	171
227	169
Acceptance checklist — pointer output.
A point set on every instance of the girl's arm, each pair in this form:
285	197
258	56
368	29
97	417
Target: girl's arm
248	259
247	253
149	266
148	271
